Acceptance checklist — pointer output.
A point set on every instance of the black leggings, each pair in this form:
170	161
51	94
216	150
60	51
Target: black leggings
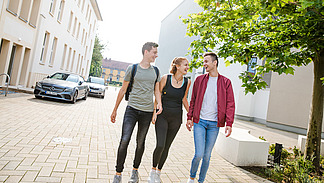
166	127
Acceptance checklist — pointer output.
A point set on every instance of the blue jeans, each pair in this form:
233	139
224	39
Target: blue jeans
131	117
205	135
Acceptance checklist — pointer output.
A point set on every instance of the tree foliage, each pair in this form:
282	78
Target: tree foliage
283	33
96	61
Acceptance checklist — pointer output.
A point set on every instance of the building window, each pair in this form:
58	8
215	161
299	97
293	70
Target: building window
75	24
72	62
63	57
60	13
78	32
90	29
44	48
78	64
87	12
52	7
69	59
111	71
81	65
70	21
85	53
85	38
25	9
83	6
34	13
53	50
89	16
82	36
13	6
251	65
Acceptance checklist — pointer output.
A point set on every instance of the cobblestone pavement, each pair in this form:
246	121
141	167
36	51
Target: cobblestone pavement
43	140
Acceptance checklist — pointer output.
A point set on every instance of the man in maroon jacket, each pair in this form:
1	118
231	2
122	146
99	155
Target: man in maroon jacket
212	106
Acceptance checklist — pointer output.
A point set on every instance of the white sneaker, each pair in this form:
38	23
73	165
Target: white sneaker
157	176
117	179
151	178
190	180
134	178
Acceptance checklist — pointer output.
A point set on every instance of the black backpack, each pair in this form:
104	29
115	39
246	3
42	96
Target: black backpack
133	72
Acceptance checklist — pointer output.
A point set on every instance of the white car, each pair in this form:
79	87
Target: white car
96	86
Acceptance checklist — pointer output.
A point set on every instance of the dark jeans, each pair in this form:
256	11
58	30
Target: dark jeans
131	117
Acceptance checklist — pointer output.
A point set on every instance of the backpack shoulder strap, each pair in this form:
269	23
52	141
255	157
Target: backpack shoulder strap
157	72
185	84
134	69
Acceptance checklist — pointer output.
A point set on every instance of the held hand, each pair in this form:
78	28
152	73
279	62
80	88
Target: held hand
189	124
113	116
228	131
154	118
159	107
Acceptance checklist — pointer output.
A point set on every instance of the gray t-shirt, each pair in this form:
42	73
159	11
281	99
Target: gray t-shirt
141	96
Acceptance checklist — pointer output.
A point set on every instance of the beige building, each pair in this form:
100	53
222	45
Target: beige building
41	37
114	71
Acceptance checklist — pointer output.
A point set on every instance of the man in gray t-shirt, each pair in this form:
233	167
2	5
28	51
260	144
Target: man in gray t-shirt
141	97
139	109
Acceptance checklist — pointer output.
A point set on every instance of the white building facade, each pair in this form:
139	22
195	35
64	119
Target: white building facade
41	37
268	106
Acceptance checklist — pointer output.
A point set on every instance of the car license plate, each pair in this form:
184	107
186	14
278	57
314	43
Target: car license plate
50	93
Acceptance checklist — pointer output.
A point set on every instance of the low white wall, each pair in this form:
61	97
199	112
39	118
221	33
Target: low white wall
241	148
302	143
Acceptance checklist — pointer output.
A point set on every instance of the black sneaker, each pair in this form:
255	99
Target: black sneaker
134	178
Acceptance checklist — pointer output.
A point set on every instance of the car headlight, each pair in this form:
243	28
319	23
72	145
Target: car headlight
68	89
38	84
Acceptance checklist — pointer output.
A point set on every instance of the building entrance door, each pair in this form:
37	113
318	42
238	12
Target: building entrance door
12	58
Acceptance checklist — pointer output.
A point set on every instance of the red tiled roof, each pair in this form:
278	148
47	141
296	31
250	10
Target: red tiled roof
113	64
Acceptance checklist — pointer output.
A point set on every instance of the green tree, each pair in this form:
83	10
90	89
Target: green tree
282	33
96	61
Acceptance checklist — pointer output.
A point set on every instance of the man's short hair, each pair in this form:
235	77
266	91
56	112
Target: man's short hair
213	56
148	46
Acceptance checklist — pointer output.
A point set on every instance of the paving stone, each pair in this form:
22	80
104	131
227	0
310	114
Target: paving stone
29	154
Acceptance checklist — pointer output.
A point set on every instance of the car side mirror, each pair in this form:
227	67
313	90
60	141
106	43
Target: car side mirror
80	82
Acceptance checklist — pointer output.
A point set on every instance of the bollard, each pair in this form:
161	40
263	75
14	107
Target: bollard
277	155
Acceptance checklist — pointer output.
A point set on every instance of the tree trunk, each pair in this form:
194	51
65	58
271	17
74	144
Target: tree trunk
313	142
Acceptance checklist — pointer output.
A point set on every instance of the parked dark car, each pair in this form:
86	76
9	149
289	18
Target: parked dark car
63	86
96	86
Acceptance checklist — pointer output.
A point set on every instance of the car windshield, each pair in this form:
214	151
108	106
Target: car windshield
97	80
66	77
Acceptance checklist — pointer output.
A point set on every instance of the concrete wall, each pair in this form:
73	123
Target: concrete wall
173	41
290	100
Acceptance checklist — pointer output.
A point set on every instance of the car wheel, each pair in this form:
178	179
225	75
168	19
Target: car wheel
85	95
75	96
38	97
103	95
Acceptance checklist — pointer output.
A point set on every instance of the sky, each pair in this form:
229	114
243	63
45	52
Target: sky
128	24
